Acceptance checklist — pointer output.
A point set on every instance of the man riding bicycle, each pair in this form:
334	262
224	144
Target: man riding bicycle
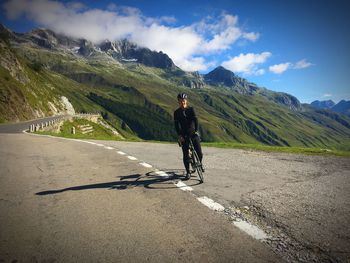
186	125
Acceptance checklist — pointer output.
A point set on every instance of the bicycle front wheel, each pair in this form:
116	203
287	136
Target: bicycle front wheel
198	166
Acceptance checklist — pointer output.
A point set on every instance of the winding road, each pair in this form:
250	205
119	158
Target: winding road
108	201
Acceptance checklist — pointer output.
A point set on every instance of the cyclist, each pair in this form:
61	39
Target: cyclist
186	125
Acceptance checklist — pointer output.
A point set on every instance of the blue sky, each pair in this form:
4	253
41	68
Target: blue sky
298	47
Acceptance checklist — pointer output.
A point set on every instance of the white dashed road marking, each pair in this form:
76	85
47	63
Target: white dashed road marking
109	148
250	229
183	186
210	203
162	174
146	165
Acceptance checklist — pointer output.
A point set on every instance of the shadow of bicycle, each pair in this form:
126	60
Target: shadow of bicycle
150	180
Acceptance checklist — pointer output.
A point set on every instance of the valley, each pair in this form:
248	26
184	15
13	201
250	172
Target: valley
135	89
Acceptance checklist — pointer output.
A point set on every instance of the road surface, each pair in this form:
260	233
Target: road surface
301	201
20	126
70	201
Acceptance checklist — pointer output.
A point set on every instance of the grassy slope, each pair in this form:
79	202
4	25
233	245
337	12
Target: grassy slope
294	150
99	132
138	92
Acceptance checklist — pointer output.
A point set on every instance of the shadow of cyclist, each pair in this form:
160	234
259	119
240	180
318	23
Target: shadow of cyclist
164	181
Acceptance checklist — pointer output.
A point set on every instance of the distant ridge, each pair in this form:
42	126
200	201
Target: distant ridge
342	106
325	104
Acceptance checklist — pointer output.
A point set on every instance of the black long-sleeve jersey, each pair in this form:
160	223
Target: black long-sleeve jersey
186	122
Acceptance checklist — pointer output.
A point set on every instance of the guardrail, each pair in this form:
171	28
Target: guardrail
42	125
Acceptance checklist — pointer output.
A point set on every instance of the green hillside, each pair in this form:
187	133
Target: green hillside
139	100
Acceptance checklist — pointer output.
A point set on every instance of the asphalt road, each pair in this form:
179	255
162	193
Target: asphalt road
69	201
303	202
20	126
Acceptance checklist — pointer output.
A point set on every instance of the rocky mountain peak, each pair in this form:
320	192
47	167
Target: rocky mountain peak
49	39
121	50
224	77
4	29
127	51
221	75
194	80
43	32
86	48
117	48
326	104
43	37
6	34
287	100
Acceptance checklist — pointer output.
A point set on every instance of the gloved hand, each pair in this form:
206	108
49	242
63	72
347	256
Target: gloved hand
197	134
181	140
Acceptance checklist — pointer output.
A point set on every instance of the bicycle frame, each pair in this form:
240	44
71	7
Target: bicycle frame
195	162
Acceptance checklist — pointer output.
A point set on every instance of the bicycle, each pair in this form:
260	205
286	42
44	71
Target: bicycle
195	162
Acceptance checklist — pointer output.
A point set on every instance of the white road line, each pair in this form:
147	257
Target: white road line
184	186
162	174
210	203
251	230
109	148
248	228
146	165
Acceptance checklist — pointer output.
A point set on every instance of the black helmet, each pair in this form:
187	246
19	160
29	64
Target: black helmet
182	96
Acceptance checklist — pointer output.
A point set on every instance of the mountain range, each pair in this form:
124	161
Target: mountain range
135	89
342	106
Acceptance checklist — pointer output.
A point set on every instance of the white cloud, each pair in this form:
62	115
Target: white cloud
247	63
223	40
215	25
259	72
184	44
195	64
112	6
76	6
129	11
179	43
168	19
302	64
327	95
225	32
252	36
280	68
